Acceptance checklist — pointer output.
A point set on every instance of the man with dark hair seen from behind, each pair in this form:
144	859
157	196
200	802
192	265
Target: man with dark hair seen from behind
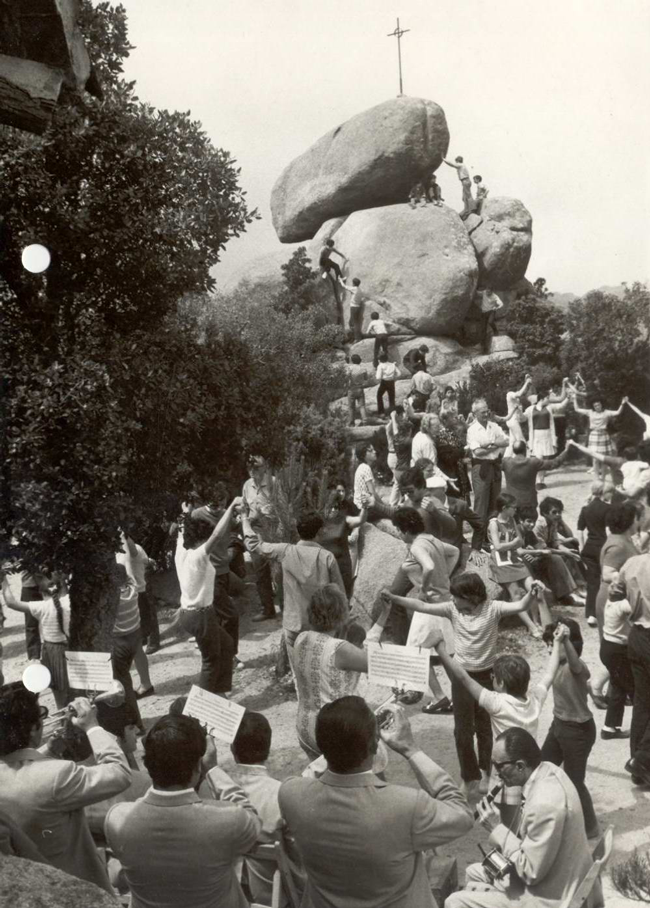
46	797
548	846
362	839
176	849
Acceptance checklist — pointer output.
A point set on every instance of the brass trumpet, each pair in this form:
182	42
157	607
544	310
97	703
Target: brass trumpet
113	697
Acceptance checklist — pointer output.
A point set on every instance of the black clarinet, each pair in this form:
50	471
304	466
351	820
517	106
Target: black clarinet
491	795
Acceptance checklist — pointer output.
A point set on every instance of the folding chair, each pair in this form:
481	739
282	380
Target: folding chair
601	855
284	893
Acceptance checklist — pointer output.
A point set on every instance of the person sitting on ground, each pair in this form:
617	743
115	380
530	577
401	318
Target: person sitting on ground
552	568
387	374
416	356
475	620
377	329
361	838
506	567
573	731
250	750
512	703
357	300
434	193
326	666
521	472
175	848
306	567
417	194
46	796
549	849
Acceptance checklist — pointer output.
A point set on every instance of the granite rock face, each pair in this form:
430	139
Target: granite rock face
26	884
502	236
371	160
419	264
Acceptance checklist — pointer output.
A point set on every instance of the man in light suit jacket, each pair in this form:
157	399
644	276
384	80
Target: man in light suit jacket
176	849
361	839
46	796
548	845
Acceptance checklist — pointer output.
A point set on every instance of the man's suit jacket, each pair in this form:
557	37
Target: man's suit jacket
46	798
550	853
361	839
178	850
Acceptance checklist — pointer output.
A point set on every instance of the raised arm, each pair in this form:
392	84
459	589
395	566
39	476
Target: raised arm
561	631
455	670
554	462
581	410
601	458
451	164
11	601
620	409
354	522
575	664
222	529
523	604
416	605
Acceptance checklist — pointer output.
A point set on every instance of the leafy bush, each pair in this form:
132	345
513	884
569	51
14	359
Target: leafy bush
537	327
492	380
632	877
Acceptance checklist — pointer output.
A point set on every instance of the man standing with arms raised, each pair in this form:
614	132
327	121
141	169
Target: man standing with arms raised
486	442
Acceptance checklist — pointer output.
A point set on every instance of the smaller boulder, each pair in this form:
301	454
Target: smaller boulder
502	238
26	884
380	558
501	343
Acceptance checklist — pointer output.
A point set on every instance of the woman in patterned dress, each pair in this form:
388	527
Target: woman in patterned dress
325	665
599	439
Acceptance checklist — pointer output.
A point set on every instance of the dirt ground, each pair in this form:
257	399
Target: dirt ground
176	666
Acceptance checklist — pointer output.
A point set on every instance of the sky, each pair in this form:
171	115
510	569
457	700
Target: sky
548	99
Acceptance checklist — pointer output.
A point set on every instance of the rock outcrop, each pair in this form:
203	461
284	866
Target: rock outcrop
371	160
444	353
26	884
380	558
502	236
420	264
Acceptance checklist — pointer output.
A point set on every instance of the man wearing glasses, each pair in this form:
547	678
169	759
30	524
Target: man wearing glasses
546	843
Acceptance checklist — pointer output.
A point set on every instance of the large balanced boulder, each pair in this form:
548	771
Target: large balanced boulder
444	353
502	236
26	884
419	264
371	160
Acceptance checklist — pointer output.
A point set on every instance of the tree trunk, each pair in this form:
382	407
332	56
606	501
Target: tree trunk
94	596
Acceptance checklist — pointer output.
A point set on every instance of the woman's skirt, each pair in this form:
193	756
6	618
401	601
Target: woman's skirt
53	658
542	445
510	572
601	443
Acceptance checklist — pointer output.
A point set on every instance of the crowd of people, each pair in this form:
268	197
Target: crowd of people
467	498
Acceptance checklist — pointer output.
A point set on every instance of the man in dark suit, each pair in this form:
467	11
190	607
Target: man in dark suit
547	846
360	838
175	848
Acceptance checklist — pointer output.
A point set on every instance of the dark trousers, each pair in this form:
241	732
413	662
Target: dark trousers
385	387
264	583
591	560
486	482
400	618
32	634
225	609
470	719
215	645
356	322
381	346
638	652
329	265
621	680
568	744
123	649
148	619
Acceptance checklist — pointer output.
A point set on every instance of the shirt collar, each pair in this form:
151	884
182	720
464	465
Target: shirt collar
172	794
529	783
351	775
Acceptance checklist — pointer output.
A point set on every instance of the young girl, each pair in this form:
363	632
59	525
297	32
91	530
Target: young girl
53	616
506	567
573	731
475	622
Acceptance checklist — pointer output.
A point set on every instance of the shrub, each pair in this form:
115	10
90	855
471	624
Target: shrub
632	877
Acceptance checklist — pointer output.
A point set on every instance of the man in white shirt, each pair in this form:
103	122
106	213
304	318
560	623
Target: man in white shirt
196	576
486	442
357	300
377	329
422	382
387	374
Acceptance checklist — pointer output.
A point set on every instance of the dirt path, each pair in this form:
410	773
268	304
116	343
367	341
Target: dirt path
175	667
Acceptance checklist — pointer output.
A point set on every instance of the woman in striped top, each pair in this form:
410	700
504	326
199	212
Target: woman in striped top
53	615
475	620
